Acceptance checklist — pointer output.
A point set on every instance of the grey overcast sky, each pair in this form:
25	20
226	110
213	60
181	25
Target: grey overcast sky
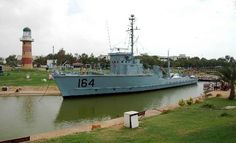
203	28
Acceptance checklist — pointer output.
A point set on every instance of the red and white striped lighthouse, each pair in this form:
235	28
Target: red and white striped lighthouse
27	49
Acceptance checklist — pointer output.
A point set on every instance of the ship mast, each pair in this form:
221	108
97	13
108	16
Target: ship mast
168	60
132	20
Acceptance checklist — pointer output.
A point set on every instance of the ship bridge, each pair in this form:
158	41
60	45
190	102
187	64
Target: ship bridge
122	63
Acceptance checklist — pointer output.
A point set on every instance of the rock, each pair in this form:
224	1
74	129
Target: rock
4	88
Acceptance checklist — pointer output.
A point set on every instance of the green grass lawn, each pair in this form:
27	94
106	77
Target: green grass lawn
200	123
18	78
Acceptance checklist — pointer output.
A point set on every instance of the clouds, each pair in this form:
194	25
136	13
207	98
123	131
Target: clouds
193	27
74	7
14	16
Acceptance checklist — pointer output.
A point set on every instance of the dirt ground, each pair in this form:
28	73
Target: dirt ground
31	90
221	94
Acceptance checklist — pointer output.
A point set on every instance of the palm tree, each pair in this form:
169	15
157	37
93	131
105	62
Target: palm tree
228	74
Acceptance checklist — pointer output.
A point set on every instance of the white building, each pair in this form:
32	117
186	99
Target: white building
51	63
104	56
174	58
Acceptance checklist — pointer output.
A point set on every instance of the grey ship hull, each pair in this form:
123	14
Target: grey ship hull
85	85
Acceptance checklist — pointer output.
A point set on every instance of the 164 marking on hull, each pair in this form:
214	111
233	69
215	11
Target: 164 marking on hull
126	75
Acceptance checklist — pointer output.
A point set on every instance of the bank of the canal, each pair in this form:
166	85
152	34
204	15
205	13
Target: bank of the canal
49	90
29	115
206	122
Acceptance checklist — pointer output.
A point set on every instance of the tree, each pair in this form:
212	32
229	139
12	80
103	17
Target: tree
40	61
83	58
60	56
11	61
1	61
150	61
103	62
228	74
204	62
70	59
50	57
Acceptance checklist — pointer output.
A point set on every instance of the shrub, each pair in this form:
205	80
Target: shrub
207	105
224	114
197	101
165	111
190	101
182	103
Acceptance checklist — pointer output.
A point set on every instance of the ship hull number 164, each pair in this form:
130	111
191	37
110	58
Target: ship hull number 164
85	83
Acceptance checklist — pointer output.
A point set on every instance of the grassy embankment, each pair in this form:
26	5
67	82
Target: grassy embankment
206	122
18	78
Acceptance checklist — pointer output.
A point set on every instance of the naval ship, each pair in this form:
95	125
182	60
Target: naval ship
126	76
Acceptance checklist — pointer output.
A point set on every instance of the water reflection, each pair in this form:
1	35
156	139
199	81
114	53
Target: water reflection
27	115
106	107
27	109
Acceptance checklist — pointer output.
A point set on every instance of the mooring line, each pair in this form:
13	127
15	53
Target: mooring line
44	93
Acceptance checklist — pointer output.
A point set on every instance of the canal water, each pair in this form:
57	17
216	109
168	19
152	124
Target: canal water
28	115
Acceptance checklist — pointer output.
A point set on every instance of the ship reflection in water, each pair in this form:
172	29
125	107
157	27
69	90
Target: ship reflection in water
84	110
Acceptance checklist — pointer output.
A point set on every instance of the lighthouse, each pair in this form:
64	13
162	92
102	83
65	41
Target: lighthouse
26	49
